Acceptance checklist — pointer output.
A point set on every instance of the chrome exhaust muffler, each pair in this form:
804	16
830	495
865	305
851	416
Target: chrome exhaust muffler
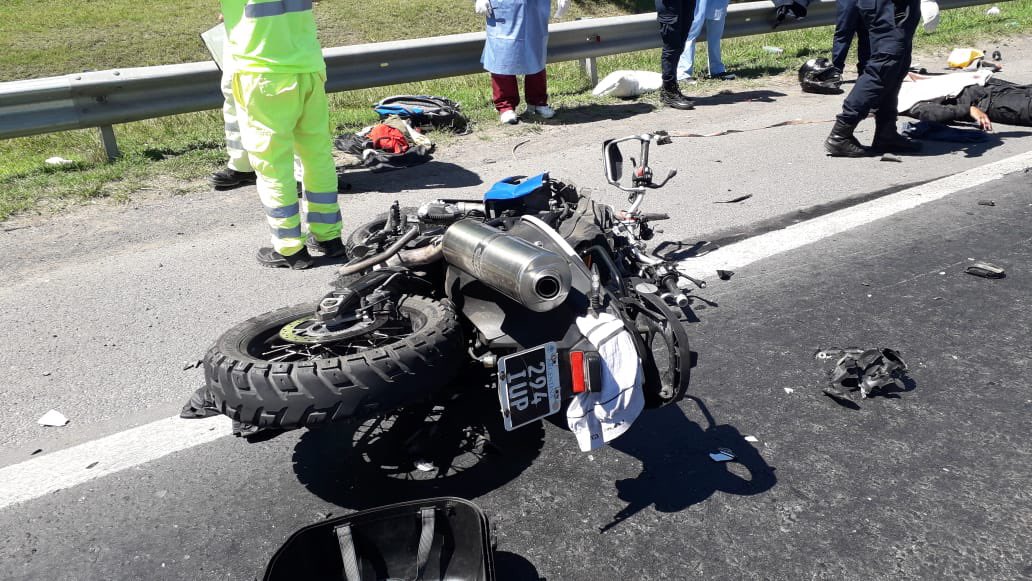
536	278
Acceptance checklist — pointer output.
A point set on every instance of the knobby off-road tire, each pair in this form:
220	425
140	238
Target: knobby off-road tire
303	393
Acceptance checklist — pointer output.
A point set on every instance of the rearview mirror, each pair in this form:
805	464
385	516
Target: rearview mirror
612	161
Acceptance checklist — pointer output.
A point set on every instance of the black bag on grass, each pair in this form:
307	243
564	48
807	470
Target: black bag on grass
433	539
425	112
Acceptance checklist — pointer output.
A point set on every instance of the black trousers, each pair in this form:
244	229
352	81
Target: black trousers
675	20
1009	103
892	41
847	25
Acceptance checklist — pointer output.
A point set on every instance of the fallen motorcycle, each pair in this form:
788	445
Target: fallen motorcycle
493	287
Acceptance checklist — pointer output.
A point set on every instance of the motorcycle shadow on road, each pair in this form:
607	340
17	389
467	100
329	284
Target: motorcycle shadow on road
678	472
459	448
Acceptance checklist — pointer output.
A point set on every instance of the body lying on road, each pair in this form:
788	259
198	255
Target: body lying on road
975	96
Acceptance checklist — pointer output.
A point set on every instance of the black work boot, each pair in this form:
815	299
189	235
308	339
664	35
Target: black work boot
841	143
672	96
886	140
229	178
269	258
329	248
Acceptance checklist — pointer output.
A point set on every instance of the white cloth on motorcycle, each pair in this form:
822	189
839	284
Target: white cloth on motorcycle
597	418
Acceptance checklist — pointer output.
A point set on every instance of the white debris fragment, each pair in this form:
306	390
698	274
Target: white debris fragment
424	466
53	418
993	11
789	390
58	161
773	49
751	439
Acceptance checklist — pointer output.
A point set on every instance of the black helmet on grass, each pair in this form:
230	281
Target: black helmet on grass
820	76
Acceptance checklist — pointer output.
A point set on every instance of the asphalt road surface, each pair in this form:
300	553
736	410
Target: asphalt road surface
103	308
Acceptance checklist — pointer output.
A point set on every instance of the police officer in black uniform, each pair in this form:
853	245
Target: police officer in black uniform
890	26
675	20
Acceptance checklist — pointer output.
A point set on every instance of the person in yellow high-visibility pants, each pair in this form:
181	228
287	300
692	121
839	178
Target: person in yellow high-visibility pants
279	86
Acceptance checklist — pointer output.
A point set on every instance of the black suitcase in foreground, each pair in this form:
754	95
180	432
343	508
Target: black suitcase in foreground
438	539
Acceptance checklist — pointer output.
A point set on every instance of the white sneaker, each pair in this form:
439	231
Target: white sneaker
544	111
509	117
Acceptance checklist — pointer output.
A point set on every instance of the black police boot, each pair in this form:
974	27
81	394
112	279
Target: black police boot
269	258
672	96
841	143
886	140
229	178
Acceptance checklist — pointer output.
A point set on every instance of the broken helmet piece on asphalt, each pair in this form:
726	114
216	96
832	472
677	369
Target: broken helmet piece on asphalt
985	270
863	370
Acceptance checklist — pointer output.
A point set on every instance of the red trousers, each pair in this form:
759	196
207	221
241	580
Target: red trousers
506	92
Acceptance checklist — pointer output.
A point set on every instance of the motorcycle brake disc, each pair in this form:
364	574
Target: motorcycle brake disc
308	330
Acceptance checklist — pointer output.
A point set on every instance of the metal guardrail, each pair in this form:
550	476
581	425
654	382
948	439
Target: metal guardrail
104	98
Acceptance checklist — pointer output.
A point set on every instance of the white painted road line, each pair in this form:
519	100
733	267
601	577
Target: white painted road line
739	254
78	464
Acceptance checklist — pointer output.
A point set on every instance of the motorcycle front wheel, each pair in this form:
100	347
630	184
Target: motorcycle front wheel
267	372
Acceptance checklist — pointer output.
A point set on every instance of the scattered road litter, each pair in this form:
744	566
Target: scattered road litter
201	405
890	157
725	274
773	49
985	270
58	161
986	203
722	455
515	147
192	364
734	200
863	370
92	465
789	390
53	418
36	451
751	439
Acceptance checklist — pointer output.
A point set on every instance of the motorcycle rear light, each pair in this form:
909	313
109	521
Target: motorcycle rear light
577	371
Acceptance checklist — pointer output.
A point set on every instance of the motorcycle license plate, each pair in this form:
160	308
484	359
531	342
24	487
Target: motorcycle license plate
528	385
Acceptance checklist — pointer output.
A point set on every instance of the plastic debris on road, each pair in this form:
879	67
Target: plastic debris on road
53	418
865	370
722	455
734	200
985	270
789	390
751	439
725	274
986	203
